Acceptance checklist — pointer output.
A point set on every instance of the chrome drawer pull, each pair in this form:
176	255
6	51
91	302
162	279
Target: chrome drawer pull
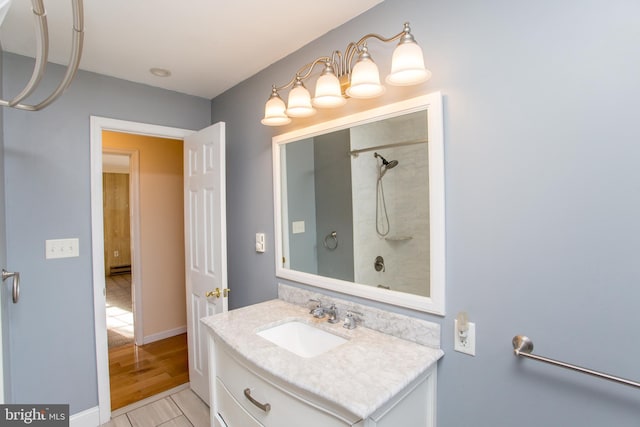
264	406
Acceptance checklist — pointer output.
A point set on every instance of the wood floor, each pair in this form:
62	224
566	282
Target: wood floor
139	372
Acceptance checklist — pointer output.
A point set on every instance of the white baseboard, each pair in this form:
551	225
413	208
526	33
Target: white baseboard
87	418
164	334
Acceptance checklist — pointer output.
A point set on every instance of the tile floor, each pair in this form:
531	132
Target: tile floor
179	407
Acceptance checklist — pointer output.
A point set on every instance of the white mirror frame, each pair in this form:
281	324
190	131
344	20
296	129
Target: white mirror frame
434	304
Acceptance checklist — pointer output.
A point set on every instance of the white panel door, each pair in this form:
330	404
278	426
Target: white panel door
205	243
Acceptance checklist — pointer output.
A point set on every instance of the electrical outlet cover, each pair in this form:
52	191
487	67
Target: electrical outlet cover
469	346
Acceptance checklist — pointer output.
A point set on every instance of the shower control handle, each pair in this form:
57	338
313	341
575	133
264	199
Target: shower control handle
379	264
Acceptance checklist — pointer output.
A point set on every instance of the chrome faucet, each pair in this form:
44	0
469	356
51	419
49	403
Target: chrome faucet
351	319
319	311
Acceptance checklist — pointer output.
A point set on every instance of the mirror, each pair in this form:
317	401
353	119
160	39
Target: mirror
359	204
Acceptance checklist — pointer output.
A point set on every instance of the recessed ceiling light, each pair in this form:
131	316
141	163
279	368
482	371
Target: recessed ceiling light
160	72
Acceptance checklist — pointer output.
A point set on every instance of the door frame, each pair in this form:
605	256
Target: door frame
97	125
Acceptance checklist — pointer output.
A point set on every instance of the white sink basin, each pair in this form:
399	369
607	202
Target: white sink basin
302	339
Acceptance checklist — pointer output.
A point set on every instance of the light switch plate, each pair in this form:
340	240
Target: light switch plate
260	246
297	227
62	248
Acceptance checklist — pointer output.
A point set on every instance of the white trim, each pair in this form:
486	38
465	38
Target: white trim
164	335
2	349
87	418
97	125
435	302
99	285
136	246
286	253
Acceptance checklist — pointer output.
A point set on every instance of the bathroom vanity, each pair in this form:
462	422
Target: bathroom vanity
362	377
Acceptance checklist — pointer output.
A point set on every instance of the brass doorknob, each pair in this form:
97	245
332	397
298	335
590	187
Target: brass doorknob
217	292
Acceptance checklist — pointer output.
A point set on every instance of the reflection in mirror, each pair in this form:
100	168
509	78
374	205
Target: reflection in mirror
359	205
362	196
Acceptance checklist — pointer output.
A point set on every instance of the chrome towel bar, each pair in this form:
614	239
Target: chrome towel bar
523	346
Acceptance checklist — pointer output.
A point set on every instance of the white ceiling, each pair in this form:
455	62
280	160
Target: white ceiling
208	45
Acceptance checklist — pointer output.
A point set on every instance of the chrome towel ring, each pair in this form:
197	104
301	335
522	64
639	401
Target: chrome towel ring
331	241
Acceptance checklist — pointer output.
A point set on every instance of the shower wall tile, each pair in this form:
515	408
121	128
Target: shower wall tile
406	248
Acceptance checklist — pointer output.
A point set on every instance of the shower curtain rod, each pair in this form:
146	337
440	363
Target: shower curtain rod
42	55
380	147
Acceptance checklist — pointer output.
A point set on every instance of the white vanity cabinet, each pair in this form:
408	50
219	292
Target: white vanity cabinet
245	397
370	379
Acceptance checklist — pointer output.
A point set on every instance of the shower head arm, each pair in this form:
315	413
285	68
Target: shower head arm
387	164
384	161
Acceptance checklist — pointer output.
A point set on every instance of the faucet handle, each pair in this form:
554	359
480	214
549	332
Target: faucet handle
351	319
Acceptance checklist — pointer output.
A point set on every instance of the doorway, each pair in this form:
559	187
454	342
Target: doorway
152	330
203	211
156	253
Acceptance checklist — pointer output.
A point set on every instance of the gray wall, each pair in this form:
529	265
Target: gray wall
542	210
301	204
333	204
47	184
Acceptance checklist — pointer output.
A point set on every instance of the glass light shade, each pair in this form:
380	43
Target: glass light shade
299	102
274	114
328	92
407	66
365	80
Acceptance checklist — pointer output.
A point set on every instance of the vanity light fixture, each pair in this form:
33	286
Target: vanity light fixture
340	79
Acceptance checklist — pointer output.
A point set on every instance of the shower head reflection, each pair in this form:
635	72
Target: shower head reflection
386	164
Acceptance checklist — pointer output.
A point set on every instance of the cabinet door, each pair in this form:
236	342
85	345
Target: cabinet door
231	412
284	410
414	409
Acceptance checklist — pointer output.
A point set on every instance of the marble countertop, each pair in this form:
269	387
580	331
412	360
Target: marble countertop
360	375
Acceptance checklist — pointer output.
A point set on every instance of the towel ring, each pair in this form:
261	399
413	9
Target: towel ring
331	241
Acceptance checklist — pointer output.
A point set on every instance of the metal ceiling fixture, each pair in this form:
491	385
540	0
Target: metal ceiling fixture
340	80
42	55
